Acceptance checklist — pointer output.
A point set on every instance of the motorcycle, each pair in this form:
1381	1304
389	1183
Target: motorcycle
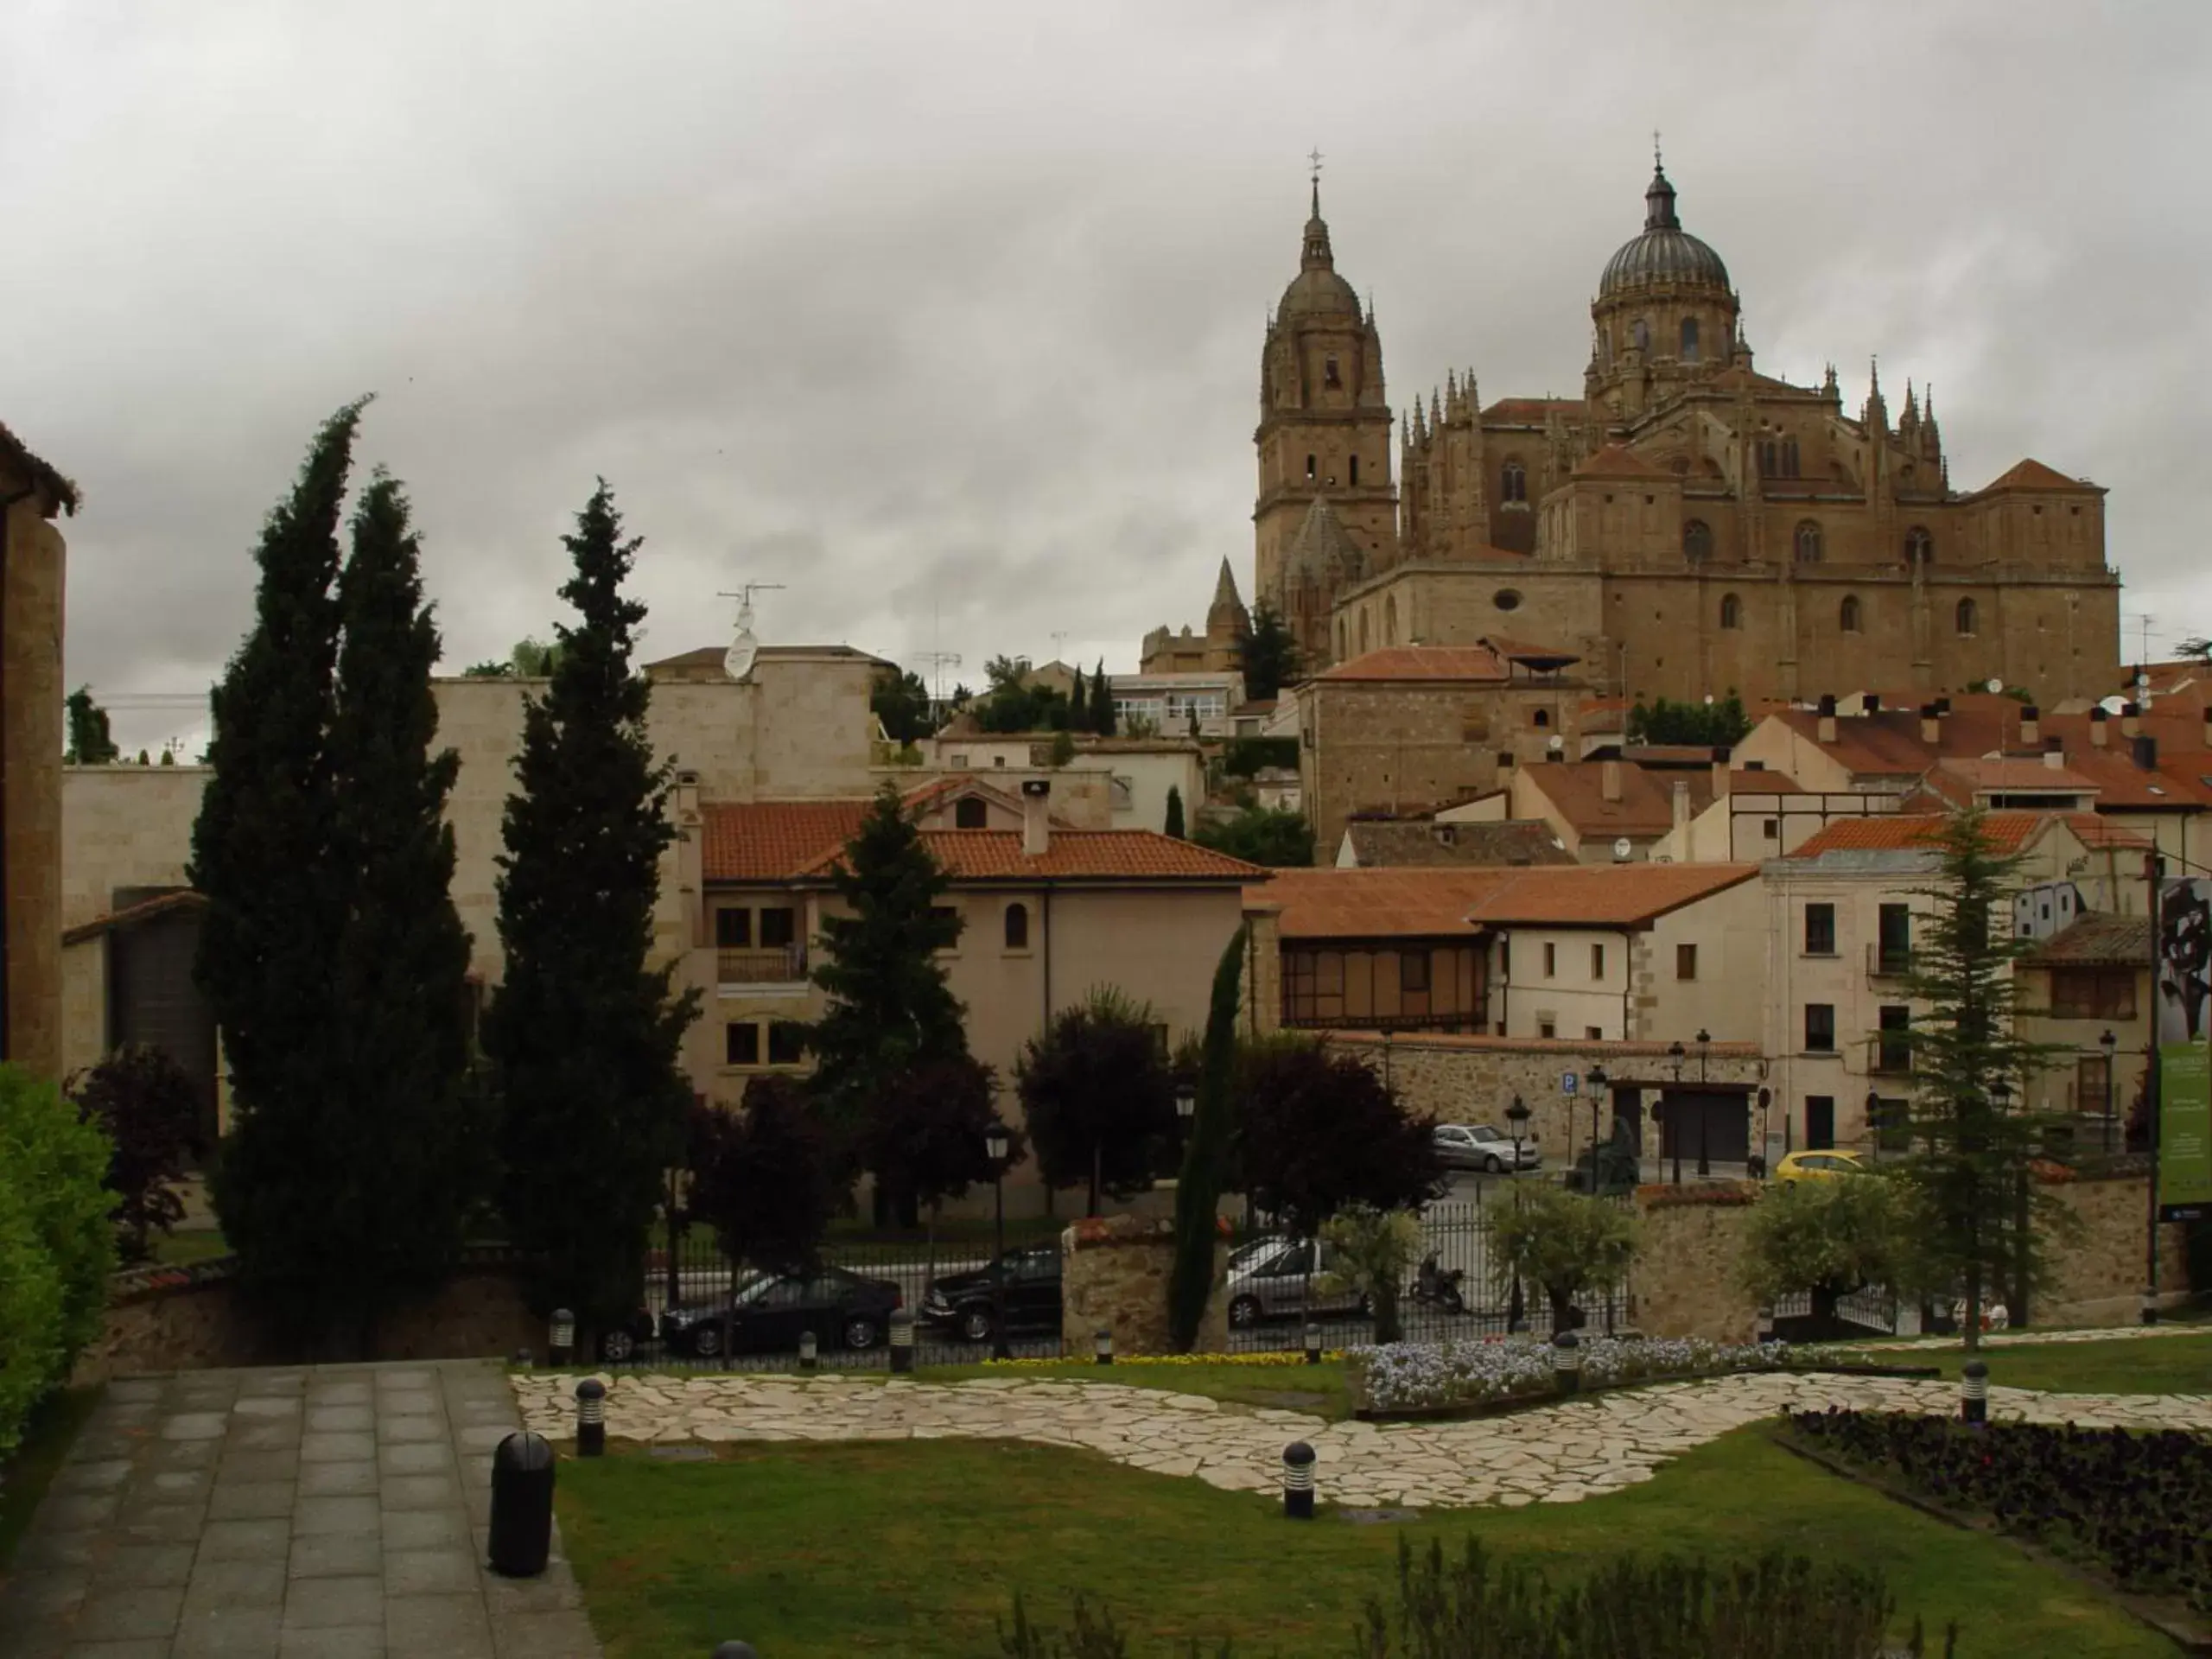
1439	1286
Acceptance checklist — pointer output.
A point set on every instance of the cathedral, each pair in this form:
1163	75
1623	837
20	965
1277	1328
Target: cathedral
1688	525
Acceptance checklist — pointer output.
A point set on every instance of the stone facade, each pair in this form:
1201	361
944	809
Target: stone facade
2099	1279
1114	1274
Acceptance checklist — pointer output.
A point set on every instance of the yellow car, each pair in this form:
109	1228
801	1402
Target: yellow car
1816	1166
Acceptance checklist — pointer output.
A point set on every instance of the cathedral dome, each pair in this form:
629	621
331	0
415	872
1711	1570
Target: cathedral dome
1665	252
1317	291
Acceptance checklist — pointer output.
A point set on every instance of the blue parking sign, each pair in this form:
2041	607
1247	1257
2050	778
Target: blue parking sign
1569	1083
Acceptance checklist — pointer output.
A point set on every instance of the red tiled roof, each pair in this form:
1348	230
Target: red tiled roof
2101	939
1763	782
1421	663
1615	461
1529	411
1897	832
772	840
2032	474
1072	855
1524	651
1603	895
2012	773
1646	806
1377	904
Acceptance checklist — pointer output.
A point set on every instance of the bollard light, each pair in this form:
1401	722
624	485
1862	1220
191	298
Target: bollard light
2150	1305
521	1538
1102	1346
1298	1481
1313	1343
902	1341
1974	1392
808	1349
591	1417
736	1651
562	1341
1567	1362
1766	1322
522	1358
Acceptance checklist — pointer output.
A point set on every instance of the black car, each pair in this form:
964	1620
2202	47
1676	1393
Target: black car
964	1303
768	1311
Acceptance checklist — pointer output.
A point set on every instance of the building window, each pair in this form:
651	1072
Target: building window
1546	1029
1731	611
1848	614
1689	339
1789	457
1771	828
2093	994
733	929
970	813
1551	960
786	1042
1819	1027
1355	472
1686	962
1820	930
1641	334
1540	718
1893	1049
1967	617
779	927
1506	599
1807	541
1893	951
2092	1093
1017	927
1697	541
1513	482
1919	546
1820	1122
1597	962
1769	458
1593	1033
1329	377
1413	972
741	1043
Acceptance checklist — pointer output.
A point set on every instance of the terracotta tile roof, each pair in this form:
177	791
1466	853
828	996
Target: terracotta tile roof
2032	474
1529	411
1421	663
1603	895
2099	939
2091	830
13	453
1742	781
772	840
161	903
2013	773
1916	832
1331	903
1072	855
1614	462
1394	845
1646	807
1528	653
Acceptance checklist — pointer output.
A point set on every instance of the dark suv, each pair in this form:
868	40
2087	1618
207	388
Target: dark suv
963	1303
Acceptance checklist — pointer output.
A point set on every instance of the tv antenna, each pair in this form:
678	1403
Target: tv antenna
1059	641
938	662
745	647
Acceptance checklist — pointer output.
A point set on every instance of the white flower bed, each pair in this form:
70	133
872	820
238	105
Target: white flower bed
1472	1372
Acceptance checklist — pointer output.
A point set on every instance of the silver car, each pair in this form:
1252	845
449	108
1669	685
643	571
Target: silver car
1272	1285
1478	1146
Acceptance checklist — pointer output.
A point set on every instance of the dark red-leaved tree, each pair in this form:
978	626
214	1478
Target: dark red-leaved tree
766	1176
1318	1131
146	1105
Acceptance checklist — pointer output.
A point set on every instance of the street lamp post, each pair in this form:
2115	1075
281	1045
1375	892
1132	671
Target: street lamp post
1704	1041
1598	1082
1186	1103
994	1146
1516	1312
1874	1121
1675	1052
1766	1099
2110	1044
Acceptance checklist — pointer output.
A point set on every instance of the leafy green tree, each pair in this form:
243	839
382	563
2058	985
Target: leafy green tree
1102	701
147	1108
1271	656
1205	1152
890	1010
1319	1131
1261	835
901	701
1373	1250
1566	1242
263	855
1974	1216
57	1245
1175	825
1696	723
1099	1096
583	1033
91	744
2196	649
766	1178
1825	1237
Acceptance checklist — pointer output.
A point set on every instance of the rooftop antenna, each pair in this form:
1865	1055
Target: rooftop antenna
938	662
1059	641
737	661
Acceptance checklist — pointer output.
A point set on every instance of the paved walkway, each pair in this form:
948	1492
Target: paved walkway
1554	1454
332	1511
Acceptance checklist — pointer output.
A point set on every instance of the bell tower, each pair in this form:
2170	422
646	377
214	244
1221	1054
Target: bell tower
1324	425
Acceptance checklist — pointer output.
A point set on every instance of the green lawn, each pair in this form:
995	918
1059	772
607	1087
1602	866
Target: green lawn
2122	1365
182	1249
916	1549
1319	1389
25	1476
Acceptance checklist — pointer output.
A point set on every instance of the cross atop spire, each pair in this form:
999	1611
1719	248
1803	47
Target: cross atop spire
1657	165
1315	158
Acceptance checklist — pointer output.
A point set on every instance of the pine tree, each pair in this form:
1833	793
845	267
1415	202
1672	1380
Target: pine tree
91	743
261	855
583	1034
401	1144
1270	656
890	1009
1175	825
1102	701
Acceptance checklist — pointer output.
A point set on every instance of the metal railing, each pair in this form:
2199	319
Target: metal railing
772	964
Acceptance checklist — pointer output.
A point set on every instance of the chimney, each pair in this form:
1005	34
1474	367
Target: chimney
1931	730
2130	719
1609	779
2031	727
1682	811
1872	703
1036	818
2146	753
1827	718
2099	735
2055	756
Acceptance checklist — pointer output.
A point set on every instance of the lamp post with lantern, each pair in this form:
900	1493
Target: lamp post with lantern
1516	1312
1597	1080
2110	1044
994	1147
1675	1054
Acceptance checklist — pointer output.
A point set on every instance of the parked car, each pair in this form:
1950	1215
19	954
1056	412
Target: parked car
1273	1285
1478	1146
1797	1166
1255	1247
966	1304
769	1310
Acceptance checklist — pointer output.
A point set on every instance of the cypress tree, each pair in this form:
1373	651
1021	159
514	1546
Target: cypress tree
1102	701
1174	826
583	1034
1205	1153
261	854
1079	714
399	1143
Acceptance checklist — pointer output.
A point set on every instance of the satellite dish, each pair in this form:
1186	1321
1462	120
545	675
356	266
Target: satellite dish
1557	744
1621	848
2112	705
737	661
1993	685
1708	699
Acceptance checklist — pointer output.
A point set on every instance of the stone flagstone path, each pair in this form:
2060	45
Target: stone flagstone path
1553	1454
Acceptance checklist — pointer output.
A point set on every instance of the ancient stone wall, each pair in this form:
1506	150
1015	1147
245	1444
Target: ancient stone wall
2099	1279
1113	1277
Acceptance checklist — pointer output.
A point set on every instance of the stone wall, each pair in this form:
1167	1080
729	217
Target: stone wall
1114	1276
196	1321
2099	1279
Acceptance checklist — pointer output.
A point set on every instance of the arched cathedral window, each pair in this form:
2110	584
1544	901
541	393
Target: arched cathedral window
1731	611
1968	617
1309	469
1355	472
1513	482
1847	617
1689	339
1641	334
1808	541
1697	541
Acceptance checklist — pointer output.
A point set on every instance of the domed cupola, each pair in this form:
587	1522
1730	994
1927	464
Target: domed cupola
1665	252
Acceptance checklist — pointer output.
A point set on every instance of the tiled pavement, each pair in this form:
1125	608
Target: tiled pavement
331	1511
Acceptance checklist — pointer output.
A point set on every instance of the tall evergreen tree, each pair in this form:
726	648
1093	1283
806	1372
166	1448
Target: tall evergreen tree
91	743
401	1148
1079	716
1102	701
583	1033
261	855
1174	824
1271	658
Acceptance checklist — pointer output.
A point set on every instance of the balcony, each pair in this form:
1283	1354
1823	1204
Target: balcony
772	965
1888	961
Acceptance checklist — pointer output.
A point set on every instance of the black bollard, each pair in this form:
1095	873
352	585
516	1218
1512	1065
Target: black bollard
809	1350
1974	1392
591	1418
1567	1362
735	1650
1298	1481
522	1505
561	1338
1102	1346
902	1342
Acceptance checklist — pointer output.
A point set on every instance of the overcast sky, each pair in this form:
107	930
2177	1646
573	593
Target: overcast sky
948	317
